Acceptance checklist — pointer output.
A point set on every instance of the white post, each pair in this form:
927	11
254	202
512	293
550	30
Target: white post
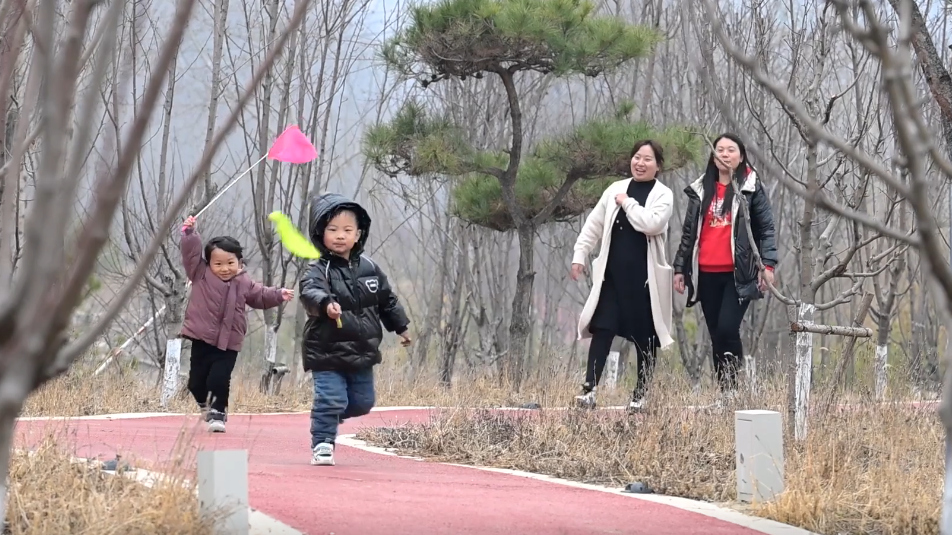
610	377
173	363
804	372
759	455
750	367
223	489
270	344
882	363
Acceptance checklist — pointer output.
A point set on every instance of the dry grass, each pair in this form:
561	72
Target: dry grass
79	393
52	494
875	470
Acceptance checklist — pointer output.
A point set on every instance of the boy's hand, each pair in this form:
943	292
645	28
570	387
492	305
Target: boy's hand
287	294
406	339
333	311
189	223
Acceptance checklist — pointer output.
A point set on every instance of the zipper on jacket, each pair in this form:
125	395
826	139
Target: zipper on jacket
354	286
221	311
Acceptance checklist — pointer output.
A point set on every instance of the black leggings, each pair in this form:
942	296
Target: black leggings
209	375
598	355
723	312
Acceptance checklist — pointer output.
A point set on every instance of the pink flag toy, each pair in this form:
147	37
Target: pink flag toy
292	146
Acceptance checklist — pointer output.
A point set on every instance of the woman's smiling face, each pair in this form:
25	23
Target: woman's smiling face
644	164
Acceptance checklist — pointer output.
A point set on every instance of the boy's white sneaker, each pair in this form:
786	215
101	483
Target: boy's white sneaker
322	455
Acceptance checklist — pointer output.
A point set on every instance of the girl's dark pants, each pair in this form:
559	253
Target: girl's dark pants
210	374
723	312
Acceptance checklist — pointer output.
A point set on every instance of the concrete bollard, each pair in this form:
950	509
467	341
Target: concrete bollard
223	489
759	455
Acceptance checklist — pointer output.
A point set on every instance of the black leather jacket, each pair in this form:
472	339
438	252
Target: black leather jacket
761	224
361	289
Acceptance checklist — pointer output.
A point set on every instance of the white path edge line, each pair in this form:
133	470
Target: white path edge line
136	415
762	525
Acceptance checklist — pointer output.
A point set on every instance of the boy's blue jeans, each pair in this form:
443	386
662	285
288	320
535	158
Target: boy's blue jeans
338	396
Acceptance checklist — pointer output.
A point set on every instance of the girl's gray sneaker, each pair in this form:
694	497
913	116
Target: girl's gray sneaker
323	454
216	421
586	400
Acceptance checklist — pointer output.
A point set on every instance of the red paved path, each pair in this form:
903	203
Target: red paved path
371	494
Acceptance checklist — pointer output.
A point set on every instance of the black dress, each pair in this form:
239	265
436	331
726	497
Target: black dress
624	304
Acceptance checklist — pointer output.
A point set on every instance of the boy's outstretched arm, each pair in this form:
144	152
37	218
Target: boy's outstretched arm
392	315
262	297
313	290
191	247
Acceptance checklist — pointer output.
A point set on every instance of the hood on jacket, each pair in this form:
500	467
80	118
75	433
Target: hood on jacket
323	207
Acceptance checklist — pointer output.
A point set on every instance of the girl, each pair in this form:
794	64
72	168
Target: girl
215	320
631	296
715	261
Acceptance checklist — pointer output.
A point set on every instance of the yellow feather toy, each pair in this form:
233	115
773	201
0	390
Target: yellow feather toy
294	241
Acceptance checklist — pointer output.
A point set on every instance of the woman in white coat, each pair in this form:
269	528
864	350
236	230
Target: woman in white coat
631	292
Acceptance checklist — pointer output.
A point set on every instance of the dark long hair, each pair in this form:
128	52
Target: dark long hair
655	148
712	173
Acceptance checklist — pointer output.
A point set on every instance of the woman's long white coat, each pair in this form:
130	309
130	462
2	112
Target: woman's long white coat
652	220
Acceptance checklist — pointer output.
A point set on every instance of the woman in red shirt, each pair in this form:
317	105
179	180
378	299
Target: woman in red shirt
715	261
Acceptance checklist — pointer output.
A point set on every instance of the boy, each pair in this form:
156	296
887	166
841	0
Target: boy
347	286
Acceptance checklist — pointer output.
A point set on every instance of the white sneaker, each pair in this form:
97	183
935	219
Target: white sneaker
216	426
636	405
726	399
586	400
322	455
216	421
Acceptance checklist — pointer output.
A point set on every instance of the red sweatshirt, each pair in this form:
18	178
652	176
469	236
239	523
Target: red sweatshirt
714	246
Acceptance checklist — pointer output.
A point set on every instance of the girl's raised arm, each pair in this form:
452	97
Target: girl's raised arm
191	246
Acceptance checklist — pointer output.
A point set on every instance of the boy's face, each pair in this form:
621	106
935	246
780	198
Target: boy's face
341	234
224	265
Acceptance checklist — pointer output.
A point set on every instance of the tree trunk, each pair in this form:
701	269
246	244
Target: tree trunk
806	310
452	336
204	189
434	301
520	324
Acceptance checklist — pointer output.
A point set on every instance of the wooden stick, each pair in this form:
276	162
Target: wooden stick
836	330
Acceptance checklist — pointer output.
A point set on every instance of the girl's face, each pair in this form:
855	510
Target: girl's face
341	234
224	265
727	155
644	166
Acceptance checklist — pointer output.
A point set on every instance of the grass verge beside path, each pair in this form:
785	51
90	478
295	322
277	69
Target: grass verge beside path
874	470
52	494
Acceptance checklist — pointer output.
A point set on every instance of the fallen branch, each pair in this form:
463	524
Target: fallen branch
835	330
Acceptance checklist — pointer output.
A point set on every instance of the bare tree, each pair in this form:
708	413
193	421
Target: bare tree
892	47
39	300
812	47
